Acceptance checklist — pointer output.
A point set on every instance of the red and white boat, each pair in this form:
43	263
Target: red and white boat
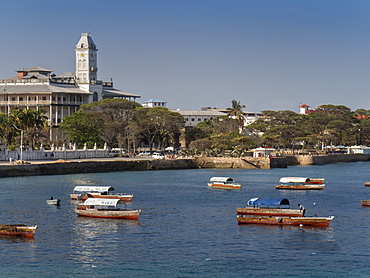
365	203
269	207
298	183
223	183
17	230
305	221
99	192
106	208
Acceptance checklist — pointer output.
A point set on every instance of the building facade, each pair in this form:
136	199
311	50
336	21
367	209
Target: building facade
59	95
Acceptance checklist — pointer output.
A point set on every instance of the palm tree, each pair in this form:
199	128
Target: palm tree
32	123
236	112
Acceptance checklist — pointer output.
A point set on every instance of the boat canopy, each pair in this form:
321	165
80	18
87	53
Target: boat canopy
222	179
102	202
269	202
293	180
90	189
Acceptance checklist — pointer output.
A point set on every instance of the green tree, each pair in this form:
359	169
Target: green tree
156	124
105	121
83	128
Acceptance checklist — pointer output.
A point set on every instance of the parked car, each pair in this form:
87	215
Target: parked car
145	153
158	156
116	152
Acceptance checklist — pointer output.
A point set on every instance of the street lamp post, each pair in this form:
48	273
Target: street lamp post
21	140
359	137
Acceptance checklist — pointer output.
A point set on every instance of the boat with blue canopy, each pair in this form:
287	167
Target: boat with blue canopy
271	207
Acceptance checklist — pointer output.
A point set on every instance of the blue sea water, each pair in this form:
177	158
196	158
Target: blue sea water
187	229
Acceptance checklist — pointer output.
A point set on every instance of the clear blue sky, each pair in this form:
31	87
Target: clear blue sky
269	55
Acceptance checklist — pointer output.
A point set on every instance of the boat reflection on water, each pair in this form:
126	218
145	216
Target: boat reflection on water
90	228
16	239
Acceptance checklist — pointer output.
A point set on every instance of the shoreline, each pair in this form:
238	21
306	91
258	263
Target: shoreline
103	165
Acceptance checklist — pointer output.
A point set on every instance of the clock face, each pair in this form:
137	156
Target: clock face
82	54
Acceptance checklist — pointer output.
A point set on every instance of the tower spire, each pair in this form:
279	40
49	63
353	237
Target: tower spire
86	60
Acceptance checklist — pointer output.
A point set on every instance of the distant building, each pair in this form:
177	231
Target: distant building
304	109
154	102
193	117
251	117
358	150
59	95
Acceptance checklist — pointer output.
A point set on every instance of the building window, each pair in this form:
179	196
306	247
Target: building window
186	119
20	98
43	98
192	119
53	98
199	119
13	98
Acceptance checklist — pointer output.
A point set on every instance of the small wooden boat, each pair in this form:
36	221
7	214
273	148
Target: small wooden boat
223	183
365	203
270	207
54	202
106	208
17	230
367	183
296	183
306	221
100	192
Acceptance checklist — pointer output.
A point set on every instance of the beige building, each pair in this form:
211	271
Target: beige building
59	95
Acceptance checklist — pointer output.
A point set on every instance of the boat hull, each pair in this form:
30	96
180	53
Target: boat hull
365	203
55	202
269	211
17	230
286	221
301	187
114	214
224	186
367	183
123	197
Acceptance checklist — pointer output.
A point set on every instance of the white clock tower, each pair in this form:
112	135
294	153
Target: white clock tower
86	60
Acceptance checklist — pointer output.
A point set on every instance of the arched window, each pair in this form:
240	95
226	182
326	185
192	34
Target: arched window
95	96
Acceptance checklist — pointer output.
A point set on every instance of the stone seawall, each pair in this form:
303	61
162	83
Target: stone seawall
325	159
225	162
93	167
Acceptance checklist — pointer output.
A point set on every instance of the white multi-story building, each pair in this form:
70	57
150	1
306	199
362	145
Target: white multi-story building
193	117
59	95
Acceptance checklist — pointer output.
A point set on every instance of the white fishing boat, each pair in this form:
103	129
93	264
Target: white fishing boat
106	208
223	183
105	192
299	183
54	202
